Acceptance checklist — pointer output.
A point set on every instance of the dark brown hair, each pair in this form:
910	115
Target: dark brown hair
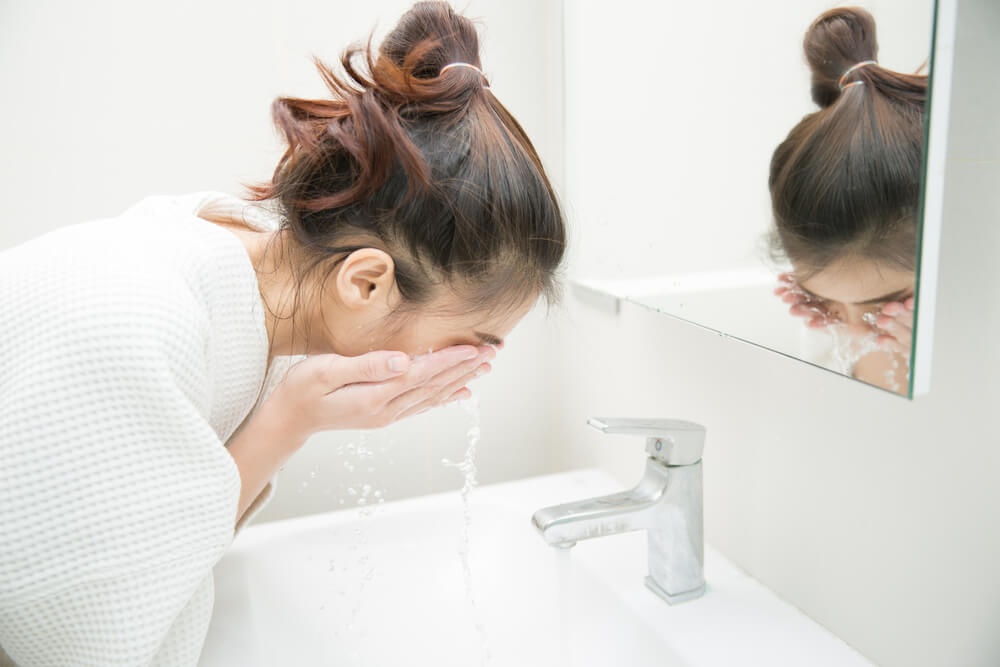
846	180
429	167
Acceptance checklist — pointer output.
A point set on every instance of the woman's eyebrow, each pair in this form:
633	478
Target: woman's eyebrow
813	294
894	296
488	339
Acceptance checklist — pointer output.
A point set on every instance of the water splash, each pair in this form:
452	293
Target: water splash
849	348
467	466
355	574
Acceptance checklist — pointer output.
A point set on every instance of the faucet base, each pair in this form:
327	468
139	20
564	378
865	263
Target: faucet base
674	599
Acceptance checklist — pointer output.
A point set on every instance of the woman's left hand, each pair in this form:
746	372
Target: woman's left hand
895	324
801	304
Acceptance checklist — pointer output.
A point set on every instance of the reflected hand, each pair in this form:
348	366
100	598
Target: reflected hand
895	324
327	391
802	304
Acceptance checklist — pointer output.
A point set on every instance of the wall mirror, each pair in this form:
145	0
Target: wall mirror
823	249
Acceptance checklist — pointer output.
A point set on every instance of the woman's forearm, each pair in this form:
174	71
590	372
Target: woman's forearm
259	449
884	369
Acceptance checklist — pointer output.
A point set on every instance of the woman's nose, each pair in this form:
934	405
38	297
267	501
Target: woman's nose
837	312
857	319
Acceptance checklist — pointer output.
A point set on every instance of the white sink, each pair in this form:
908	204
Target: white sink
389	588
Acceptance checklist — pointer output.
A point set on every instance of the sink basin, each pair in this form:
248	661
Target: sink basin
387	584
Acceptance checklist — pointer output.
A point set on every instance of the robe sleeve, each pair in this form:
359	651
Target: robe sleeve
117	497
275	374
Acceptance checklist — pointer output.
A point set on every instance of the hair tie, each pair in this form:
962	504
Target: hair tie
859	65
470	66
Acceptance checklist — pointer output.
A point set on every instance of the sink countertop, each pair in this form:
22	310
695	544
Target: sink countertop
534	604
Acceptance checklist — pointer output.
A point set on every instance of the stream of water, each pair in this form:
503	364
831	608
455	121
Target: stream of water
467	466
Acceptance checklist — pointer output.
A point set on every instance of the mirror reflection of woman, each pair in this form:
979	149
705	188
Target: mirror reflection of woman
412	214
845	194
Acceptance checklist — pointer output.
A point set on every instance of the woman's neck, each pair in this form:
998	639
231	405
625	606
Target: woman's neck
276	285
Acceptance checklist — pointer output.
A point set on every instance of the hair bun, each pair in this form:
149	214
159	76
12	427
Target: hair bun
430	36
836	41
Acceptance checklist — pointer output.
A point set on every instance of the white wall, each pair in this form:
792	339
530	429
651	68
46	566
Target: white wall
876	516
106	102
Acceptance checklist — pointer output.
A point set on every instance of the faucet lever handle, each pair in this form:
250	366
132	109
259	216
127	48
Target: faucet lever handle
673	442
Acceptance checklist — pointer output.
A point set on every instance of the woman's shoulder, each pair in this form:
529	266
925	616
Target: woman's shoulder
152	282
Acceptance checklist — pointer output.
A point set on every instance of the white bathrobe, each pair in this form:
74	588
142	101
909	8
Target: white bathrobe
131	349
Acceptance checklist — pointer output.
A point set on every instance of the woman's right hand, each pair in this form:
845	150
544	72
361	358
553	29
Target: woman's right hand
327	391
801	304
895	323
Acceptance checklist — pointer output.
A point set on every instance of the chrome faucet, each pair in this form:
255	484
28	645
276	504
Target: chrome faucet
667	503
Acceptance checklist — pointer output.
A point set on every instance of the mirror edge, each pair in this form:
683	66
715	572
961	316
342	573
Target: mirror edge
932	201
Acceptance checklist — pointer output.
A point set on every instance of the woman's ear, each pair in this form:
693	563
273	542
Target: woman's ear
366	279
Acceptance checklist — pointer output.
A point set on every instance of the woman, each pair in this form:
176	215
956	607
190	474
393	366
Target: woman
845	191
136	430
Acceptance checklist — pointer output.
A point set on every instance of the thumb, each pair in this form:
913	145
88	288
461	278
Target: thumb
372	367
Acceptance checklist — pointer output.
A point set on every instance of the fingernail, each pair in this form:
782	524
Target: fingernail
399	363
481	371
471	355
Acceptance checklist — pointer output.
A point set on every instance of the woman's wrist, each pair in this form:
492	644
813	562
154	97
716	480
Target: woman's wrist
280	428
260	449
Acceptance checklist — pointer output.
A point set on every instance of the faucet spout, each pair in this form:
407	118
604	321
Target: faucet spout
564	525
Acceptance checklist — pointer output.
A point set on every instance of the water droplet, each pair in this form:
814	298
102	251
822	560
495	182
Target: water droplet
352	492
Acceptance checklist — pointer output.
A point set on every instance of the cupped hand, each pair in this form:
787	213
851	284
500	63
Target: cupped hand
327	391
802	304
895	323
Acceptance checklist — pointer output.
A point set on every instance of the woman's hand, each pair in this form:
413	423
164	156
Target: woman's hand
895	324
328	392
802	304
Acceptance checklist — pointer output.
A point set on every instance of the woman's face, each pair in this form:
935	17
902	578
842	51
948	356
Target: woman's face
437	327
361	310
441	323
854	290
